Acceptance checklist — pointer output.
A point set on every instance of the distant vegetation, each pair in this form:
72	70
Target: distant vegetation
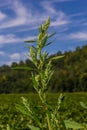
70	74
70	109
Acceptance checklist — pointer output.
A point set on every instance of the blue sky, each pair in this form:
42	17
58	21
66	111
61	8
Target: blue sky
19	20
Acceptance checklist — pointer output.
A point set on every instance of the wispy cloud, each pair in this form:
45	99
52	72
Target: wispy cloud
85	24
11	38
5	3
64	0
9	62
80	36
48	7
2	16
59	18
15	56
77	14
23	16
8	58
75	36
61	1
2	53
57	1
20	19
20	16
29	19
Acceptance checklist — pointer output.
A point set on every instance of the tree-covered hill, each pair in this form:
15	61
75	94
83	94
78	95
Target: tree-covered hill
70	74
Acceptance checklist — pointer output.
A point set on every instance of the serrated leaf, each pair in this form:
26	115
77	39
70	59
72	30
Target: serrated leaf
83	105
72	124
23	111
49	43
33	127
30	41
27	113
51	35
56	57
34	48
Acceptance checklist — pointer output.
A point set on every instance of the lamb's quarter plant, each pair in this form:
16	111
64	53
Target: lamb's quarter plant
49	118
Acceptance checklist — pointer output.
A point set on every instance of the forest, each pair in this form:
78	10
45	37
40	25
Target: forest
70	74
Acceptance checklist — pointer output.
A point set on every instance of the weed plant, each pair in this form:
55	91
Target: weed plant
43	116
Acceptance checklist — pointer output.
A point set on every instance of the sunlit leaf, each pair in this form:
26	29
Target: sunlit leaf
56	57
8	127
33	127
83	105
72	124
23	111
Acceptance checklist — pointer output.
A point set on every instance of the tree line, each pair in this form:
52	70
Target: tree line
70	74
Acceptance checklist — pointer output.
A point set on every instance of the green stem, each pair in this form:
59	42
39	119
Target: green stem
48	122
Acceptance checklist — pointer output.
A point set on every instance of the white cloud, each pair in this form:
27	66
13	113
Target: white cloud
8	58
5	3
21	16
15	56
63	0
30	38
60	20
81	36
27	17
75	36
84	24
2	53
48	7
2	16
9	62
77	14
56	1
9	38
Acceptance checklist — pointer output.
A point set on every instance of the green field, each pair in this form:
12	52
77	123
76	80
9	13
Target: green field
70	109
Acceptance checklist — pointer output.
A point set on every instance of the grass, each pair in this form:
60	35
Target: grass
11	99
70	109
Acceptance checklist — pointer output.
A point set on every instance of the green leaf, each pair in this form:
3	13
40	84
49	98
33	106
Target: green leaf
23	68
28	113
51	35
34	48
40	28
49	43
56	57
44	40
83	105
33	127
30	41
8	127
72	124
23	110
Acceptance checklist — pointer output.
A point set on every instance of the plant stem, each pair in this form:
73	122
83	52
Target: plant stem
48	122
